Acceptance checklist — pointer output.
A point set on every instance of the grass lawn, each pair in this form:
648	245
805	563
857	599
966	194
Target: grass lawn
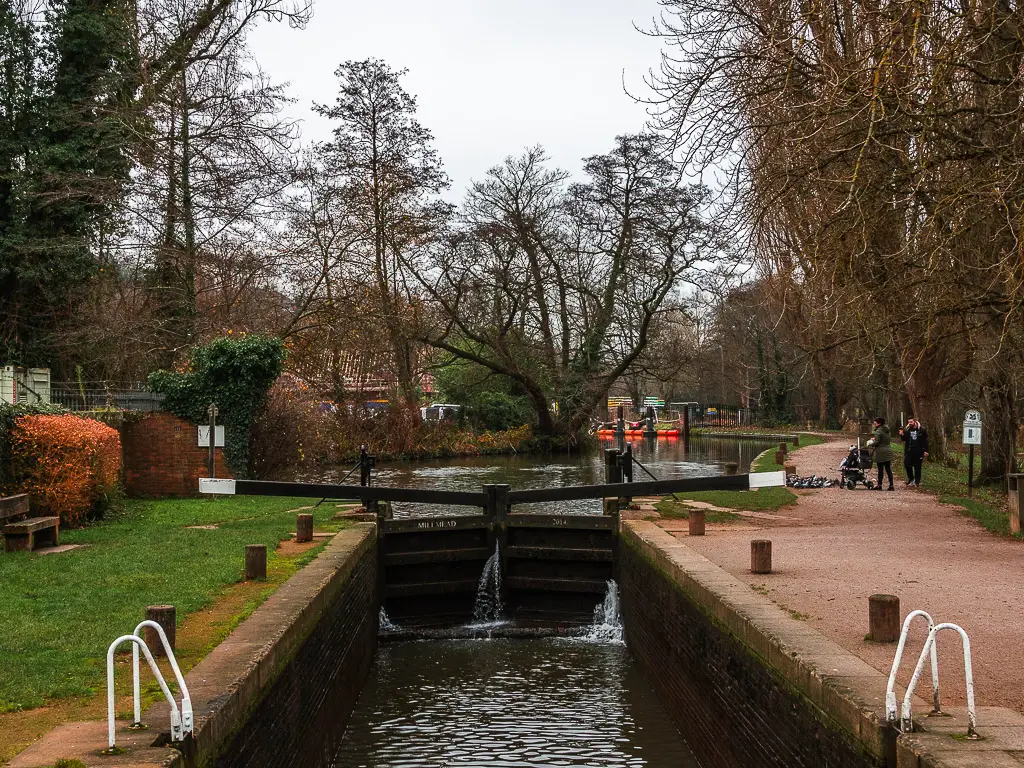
987	505
58	613
760	500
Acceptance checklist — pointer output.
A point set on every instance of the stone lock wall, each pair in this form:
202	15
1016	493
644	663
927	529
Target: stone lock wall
694	633
161	457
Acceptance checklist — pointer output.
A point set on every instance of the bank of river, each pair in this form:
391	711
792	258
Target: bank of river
509	703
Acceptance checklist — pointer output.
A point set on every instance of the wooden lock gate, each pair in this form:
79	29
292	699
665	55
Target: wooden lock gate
554	568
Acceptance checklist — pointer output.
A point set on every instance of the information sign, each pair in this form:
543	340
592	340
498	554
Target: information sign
972	434
204	437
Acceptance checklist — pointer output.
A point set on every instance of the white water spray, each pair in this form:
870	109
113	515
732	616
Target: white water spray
384	624
488	607
607	625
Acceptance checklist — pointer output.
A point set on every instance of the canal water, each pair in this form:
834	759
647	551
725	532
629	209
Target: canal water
665	458
505	703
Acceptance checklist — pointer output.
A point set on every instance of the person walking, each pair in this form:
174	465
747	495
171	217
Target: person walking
915	450
882	455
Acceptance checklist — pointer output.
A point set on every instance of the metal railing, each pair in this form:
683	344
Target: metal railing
906	716
76	398
182	722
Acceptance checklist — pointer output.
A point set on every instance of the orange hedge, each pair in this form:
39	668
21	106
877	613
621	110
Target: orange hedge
70	466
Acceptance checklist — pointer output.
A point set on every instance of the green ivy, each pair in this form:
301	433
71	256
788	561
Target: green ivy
234	373
8	415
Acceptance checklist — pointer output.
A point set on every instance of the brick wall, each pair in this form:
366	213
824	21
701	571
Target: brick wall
732	708
300	722
161	457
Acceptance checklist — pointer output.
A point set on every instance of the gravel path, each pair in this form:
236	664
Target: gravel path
846	545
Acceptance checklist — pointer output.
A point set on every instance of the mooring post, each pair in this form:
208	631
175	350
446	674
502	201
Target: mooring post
303	528
783	448
760	556
612	471
166	617
884	618
696	522
255	562
366	464
796	440
620	423
686	421
502	509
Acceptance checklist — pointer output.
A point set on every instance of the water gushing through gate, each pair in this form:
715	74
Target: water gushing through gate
384	623
607	624
488	608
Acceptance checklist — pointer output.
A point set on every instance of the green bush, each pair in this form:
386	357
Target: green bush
498	411
234	373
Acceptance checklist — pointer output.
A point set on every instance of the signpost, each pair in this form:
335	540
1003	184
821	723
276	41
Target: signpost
972	437
212	438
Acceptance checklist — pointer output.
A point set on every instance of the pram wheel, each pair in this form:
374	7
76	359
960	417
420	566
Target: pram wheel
850	484
870	484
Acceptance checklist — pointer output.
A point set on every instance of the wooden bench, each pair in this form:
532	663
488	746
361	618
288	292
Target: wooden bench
26	535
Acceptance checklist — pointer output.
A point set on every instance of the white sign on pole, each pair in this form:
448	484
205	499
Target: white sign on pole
204	437
972	434
972	417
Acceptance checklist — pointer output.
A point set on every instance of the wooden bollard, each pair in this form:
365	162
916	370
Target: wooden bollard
167	617
610	507
780	457
255	562
783	448
760	556
304	527
696	522
790	469
884	618
732	467
796	441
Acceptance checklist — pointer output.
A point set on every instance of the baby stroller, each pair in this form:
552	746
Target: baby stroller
851	471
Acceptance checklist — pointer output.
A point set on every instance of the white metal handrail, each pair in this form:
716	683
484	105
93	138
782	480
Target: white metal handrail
891	709
186	700
907	718
176	730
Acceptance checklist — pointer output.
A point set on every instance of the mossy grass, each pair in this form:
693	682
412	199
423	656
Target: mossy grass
59	612
760	500
987	505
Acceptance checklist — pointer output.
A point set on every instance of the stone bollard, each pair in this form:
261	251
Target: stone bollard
732	467
255	562
304	528
760	556
883	618
167	617
790	469
696	522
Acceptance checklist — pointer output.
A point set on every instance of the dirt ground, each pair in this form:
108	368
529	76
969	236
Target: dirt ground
835	547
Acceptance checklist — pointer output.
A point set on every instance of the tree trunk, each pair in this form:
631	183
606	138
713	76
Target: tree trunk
998	454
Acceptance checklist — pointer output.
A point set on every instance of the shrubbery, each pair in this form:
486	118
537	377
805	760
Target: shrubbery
232	372
299	430
70	466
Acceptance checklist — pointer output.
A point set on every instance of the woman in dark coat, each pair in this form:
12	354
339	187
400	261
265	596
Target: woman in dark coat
882	455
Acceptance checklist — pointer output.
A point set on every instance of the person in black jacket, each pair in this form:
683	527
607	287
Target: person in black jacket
915	450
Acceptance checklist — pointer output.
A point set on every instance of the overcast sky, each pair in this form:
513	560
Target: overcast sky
491	76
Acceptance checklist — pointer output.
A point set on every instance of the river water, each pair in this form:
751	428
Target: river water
505	703
665	458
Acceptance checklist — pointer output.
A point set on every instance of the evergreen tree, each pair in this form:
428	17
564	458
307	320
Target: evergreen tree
73	168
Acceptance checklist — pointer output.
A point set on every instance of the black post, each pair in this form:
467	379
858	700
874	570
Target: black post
612	470
366	462
970	472
686	421
502	509
620	424
491	512
212	413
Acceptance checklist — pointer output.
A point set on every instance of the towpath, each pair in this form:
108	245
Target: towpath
834	548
